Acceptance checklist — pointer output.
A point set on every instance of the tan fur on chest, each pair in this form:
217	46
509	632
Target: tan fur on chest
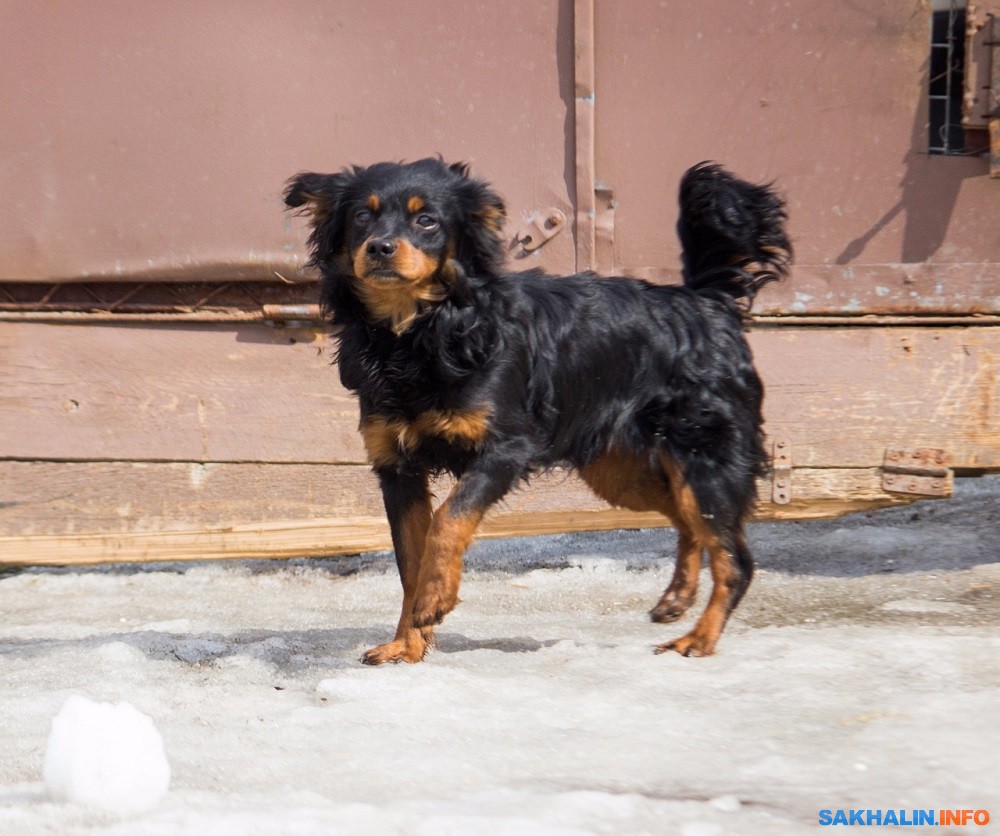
386	439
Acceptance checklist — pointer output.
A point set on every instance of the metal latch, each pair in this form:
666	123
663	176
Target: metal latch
781	486
541	227
922	471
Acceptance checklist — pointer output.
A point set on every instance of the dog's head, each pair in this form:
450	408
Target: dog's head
400	235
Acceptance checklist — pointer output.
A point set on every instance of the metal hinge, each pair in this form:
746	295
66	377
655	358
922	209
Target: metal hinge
781	468
922	471
540	228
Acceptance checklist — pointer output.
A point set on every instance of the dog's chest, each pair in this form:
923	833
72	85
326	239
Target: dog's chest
409	410
438	436
385	377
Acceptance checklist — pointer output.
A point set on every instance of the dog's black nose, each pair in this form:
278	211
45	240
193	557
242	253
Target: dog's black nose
381	247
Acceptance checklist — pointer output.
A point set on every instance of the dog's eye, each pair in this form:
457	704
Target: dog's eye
362	216
425	221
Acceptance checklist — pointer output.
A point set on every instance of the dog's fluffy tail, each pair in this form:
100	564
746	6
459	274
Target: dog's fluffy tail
732	232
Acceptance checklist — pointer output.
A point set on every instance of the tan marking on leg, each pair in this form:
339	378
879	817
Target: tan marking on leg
410	643
680	593
692	534
687	513
684	504
702	639
630	481
441	569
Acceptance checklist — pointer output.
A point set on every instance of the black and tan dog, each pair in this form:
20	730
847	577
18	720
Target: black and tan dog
462	367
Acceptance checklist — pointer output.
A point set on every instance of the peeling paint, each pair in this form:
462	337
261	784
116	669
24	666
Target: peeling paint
198	474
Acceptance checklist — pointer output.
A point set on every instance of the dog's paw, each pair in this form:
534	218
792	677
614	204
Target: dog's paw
693	644
395	651
670	608
433	606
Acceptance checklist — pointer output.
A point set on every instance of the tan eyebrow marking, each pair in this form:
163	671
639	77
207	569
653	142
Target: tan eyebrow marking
414	205
374	203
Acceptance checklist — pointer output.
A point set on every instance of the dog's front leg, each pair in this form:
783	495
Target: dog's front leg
408	507
451	532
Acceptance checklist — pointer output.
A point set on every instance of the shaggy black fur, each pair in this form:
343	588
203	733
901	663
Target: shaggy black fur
564	371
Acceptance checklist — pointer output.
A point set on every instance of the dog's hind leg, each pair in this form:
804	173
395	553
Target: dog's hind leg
693	534
408	507
680	593
732	569
729	559
632	481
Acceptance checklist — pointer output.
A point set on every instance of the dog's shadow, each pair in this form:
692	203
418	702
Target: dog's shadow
289	651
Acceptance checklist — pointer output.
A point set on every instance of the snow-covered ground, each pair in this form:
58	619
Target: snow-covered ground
862	671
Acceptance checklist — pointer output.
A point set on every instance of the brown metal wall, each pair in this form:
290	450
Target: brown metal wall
151	140
829	100
146	139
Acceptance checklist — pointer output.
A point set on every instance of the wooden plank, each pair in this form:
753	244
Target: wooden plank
56	499
161	393
253	393
153	526
840	397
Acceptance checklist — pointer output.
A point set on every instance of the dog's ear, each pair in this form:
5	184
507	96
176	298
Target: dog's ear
321	196
317	194
481	248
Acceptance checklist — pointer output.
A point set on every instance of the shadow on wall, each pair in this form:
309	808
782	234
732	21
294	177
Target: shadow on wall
929	191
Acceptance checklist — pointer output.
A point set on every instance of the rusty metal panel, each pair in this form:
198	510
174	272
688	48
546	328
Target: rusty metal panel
980	44
152	140
994	97
829	99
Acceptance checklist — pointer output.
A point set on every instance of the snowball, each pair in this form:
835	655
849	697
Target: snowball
106	756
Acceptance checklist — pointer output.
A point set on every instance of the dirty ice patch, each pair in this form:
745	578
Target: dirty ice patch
595	564
893	541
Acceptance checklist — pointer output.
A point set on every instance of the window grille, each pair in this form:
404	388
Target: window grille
946	79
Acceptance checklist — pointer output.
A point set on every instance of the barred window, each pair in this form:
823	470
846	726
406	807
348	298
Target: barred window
946	78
